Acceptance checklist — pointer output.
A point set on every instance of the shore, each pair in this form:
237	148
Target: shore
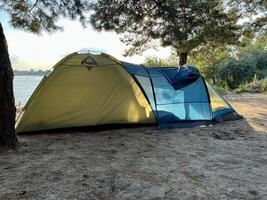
227	161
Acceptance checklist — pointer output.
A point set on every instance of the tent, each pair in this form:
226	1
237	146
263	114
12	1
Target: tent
92	89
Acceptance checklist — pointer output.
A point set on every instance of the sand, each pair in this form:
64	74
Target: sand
227	161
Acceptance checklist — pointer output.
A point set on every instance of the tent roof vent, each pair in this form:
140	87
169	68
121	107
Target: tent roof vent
89	62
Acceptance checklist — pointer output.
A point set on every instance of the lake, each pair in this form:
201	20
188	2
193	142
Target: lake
24	87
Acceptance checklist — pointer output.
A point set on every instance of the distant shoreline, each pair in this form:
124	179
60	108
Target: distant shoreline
30	73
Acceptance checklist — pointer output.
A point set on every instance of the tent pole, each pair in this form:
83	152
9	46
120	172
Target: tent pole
154	94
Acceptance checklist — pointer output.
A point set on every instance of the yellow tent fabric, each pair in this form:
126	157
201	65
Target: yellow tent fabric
77	94
216	101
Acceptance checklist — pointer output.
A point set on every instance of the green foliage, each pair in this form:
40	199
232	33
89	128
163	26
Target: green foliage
208	58
233	73
154	61
253	12
236	73
264	84
38	15
254	86
183	25
219	89
261	42
256	51
168	62
259	58
241	88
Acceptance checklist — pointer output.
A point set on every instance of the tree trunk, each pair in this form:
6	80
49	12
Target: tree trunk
7	101
213	80
183	58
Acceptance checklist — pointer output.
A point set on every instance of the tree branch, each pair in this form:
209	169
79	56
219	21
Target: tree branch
34	5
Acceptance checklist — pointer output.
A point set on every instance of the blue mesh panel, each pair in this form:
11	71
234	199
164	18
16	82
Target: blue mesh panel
140	73
187	103
183	111
146	85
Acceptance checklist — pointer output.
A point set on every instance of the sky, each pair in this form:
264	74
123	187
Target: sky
31	51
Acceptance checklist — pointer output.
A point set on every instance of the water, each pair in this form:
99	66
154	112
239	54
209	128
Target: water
24	87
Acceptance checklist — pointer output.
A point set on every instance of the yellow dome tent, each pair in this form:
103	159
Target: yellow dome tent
84	90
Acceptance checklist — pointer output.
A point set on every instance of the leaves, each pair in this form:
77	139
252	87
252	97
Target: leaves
38	15
233	73
208	57
171	61
252	12
184	25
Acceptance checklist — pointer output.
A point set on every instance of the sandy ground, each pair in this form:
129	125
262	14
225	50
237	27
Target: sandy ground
226	161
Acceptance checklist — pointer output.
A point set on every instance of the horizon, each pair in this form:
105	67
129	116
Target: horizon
31	51
30	70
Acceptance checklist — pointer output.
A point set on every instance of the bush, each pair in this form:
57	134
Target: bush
254	86
207	59
241	88
171	61
259	57
233	73
264	85
219	89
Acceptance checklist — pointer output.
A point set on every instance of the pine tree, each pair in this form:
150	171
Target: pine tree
181	24
253	13
33	16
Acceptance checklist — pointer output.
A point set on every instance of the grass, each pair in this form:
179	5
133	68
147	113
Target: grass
220	89
254	86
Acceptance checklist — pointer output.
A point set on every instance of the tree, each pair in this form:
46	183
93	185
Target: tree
33	16
207	58
256	50
253	12
232	72
7	102
171	61
181	24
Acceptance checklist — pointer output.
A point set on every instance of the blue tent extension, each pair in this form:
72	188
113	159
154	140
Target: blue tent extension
180	97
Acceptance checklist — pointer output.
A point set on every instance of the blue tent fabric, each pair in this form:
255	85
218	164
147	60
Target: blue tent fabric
178	95
181	76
